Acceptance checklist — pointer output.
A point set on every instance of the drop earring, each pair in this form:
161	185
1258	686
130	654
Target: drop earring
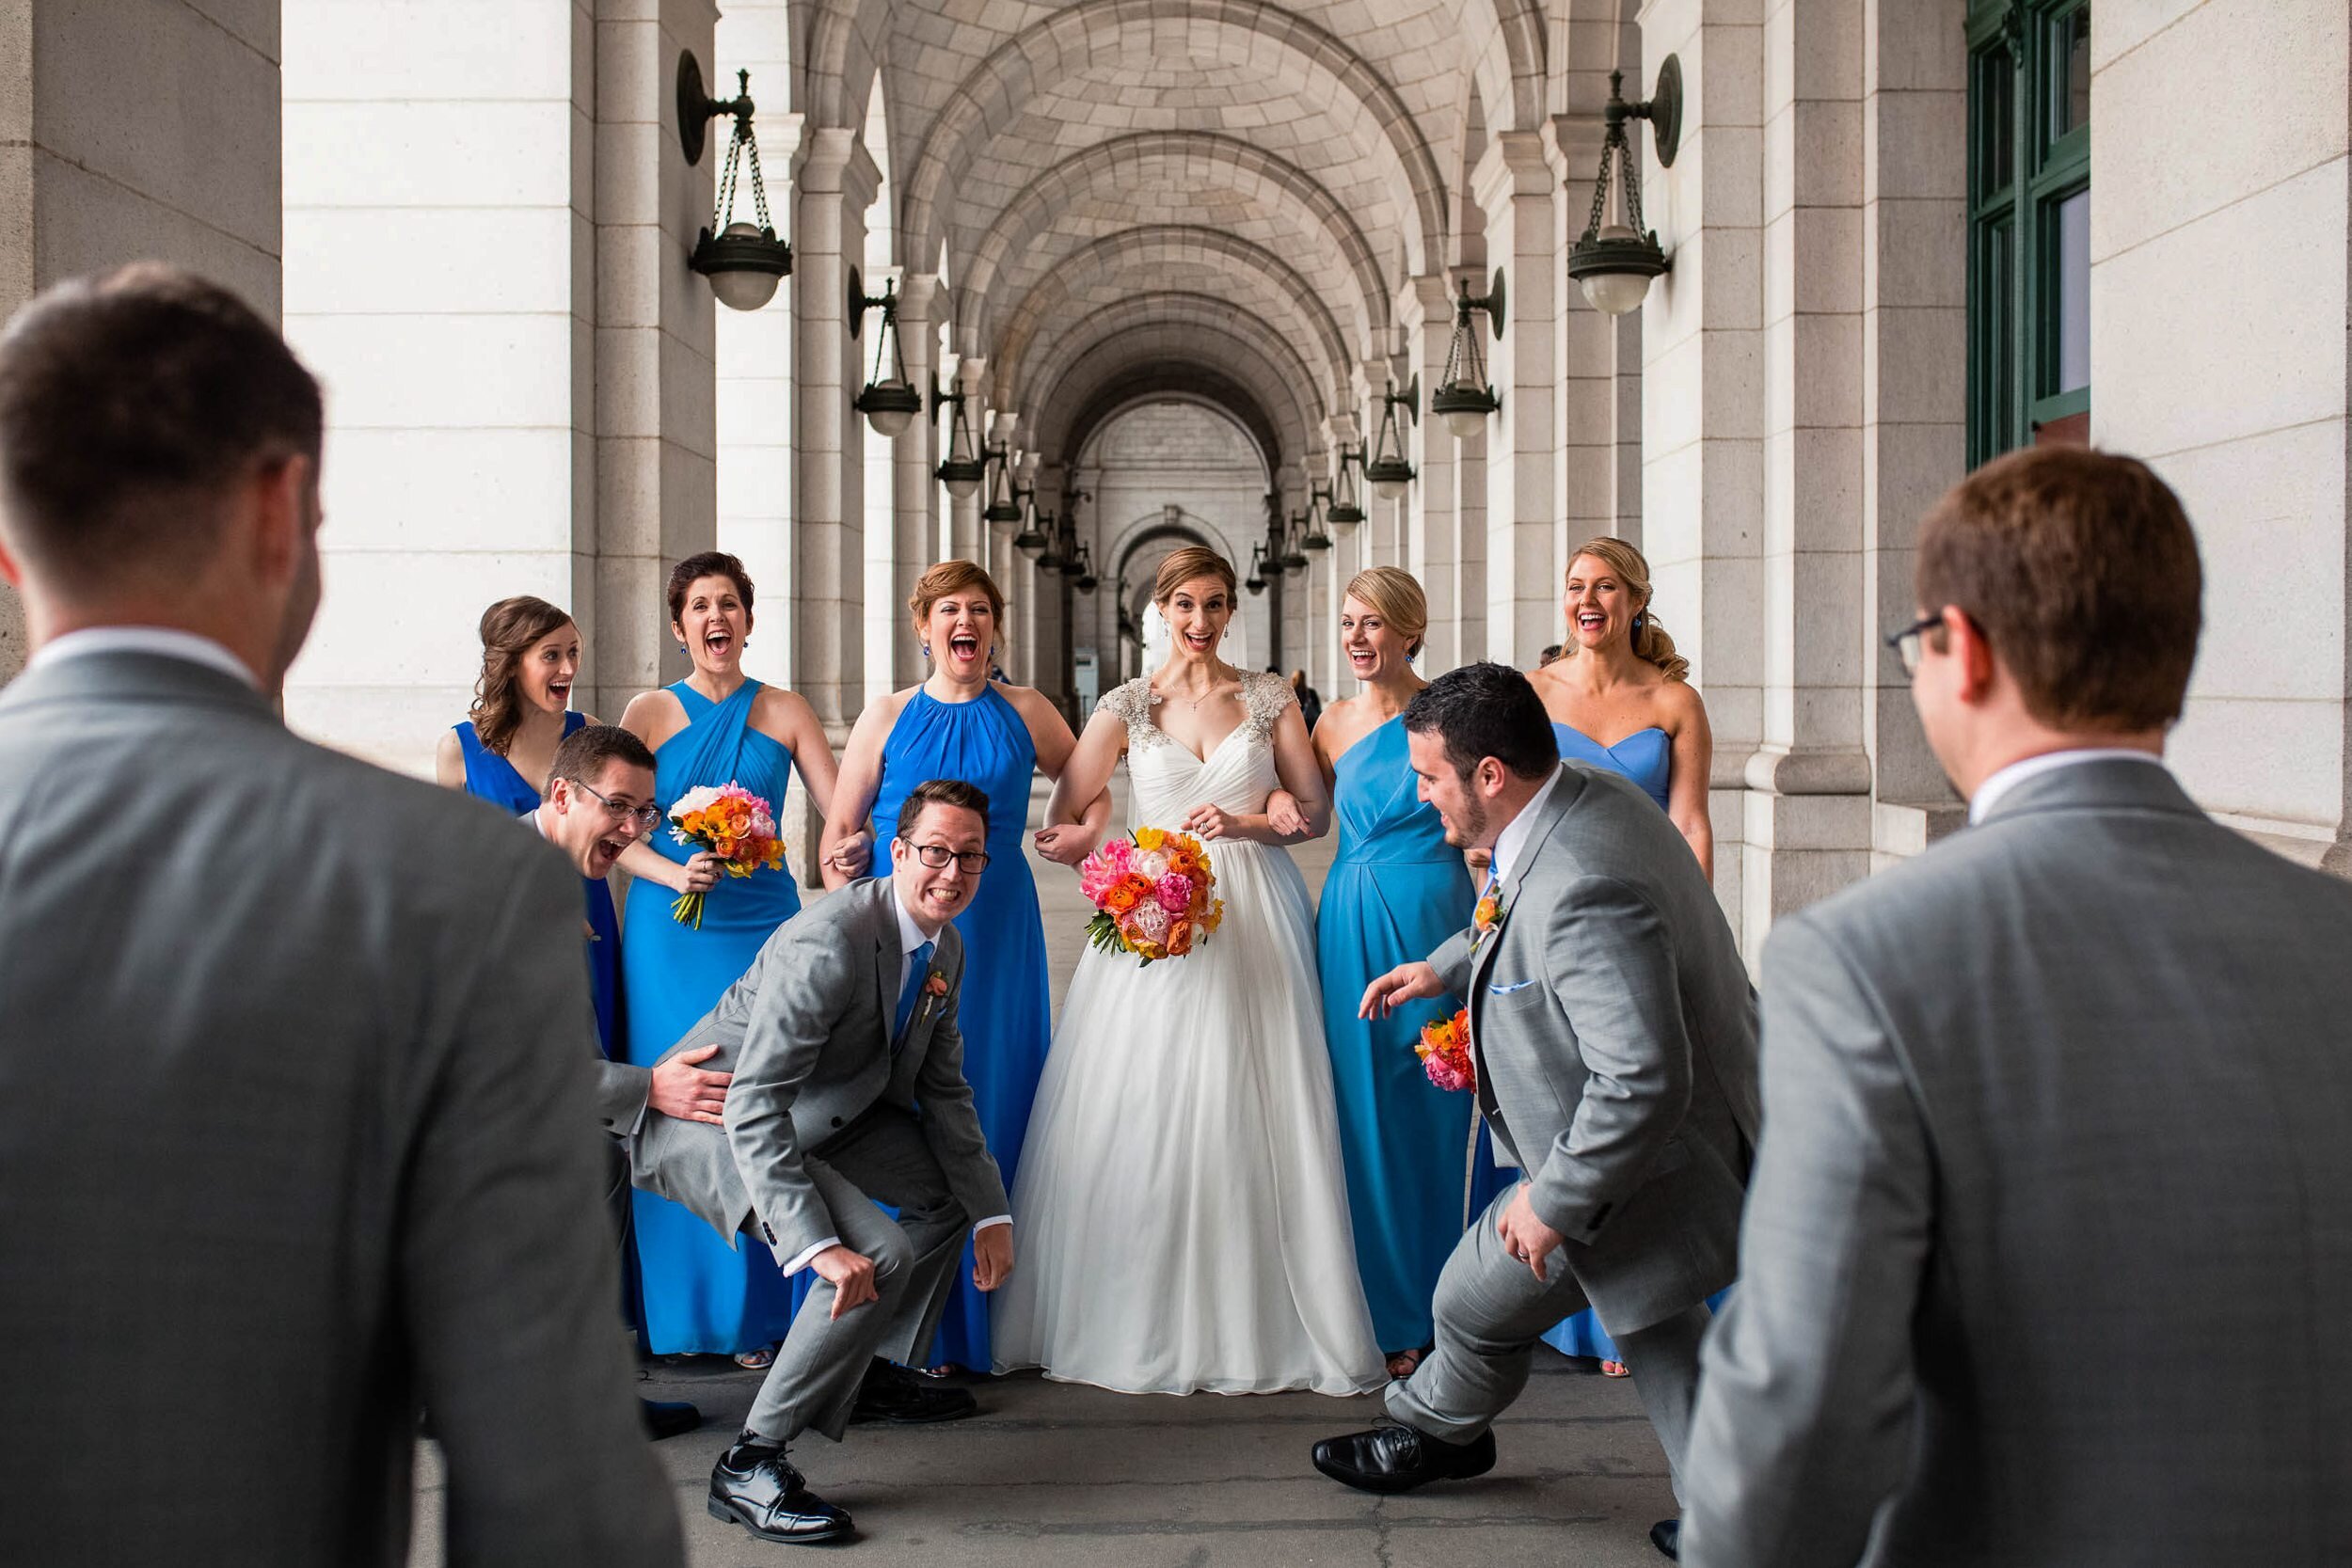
927	652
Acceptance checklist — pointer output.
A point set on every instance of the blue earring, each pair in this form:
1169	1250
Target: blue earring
1637	624
927	652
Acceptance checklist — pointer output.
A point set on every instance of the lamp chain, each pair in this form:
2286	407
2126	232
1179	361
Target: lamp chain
737	144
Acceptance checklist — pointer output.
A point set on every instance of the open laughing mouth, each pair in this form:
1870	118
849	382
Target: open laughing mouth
964	646
1591	620
608	851
561	692
1198	642
718	642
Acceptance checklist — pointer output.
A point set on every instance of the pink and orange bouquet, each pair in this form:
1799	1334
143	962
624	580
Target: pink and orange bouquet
733	824
1154	894
1445	1053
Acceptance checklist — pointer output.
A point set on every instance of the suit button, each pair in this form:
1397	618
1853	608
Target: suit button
836	1121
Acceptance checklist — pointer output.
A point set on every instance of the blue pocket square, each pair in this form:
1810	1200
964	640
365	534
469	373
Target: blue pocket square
1505	991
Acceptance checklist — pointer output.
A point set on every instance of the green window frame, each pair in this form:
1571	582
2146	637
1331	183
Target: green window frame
2029	219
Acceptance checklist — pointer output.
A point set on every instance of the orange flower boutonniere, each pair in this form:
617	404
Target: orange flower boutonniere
936	984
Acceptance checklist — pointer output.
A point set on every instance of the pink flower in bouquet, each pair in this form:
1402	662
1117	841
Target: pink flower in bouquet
1150	864
732	823
1148	922
1175	892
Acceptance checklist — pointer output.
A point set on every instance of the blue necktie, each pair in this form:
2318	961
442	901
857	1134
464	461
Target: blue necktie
917	973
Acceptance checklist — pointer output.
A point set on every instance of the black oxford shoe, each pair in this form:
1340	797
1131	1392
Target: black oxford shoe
1667	1535
667	1418
892	1393
753	1486
1392	1457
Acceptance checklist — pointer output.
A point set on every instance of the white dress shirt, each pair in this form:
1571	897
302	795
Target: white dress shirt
1513	838
163	641
1989	793
910	936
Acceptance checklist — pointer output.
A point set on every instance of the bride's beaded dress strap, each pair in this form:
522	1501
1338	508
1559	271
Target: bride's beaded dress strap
1131	704
1266	695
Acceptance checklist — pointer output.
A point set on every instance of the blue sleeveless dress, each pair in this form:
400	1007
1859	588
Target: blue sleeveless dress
490	777
1647	757
1004	1010
1395	892
700	1294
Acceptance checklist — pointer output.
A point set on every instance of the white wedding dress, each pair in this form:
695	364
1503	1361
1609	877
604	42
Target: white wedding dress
1180	1218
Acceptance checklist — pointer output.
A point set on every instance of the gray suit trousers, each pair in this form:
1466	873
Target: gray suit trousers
883	1157
1491	1310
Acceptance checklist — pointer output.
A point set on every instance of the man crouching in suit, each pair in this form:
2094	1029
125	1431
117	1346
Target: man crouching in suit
1613	1033
849	1093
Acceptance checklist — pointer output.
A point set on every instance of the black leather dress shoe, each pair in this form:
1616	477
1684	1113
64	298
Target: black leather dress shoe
1393	1457
753	1486
892	1393
667	1418
1667	1535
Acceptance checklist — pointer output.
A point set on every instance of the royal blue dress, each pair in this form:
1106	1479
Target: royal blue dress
1647	757
1395	892
490	777
700	1294
1005	1009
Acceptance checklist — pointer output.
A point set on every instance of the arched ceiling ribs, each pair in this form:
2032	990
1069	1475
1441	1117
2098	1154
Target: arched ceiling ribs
1230	32
1508	58
1128	162
1147	384
1151	326
1160	246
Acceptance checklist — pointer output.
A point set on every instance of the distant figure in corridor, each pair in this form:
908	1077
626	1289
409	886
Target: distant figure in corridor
2055	1114
294	1071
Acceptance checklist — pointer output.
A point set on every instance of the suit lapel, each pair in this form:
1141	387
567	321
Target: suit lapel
883	925
1555	806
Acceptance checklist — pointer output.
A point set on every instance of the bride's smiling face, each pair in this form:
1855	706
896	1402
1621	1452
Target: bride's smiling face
1198	612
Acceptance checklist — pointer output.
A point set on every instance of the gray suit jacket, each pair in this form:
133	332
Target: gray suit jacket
2049	1254
807	1033
1615	1035
291	1095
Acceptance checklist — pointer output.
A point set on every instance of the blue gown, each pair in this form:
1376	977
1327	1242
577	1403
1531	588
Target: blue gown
1004	1010
490	777
699	1294
1647	757
1395	892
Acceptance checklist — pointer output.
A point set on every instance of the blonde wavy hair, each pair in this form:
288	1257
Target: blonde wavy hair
1650	643
1394	595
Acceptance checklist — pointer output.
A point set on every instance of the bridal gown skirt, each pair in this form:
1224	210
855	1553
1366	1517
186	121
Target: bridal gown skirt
1180	1218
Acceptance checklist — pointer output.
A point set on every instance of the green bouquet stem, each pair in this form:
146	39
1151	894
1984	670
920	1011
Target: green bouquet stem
687	908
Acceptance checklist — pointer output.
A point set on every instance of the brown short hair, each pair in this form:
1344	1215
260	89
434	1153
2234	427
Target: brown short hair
1192	562
943	792
709	563
130	405
953	577
588	749
509	630
2082	570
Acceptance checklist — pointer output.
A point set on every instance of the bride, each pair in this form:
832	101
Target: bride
1183	1221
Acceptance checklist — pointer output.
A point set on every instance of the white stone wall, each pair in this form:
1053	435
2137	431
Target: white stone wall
2219	309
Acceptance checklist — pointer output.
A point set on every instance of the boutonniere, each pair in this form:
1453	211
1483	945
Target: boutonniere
1486	917
936	984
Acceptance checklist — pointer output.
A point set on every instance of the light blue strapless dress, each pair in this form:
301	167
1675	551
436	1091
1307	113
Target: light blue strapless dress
700	1294
1647	757
1006	1011
1396	891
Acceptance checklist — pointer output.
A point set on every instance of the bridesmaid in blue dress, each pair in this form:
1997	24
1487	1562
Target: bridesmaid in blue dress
716	726
1618	676
1396	891
960	725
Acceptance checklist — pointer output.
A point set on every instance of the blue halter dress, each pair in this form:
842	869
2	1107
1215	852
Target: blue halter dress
699	1293
1004	1010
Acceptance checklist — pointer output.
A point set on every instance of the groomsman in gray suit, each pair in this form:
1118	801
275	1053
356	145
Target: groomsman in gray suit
1614	1032
849	1093
291	1093
2048	1260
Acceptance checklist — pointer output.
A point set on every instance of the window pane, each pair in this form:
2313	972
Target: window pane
2070	72
1997	122
2071	292
1992	331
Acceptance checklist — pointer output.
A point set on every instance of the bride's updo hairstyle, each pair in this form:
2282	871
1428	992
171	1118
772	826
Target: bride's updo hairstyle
1192	562
1394	595
1650	640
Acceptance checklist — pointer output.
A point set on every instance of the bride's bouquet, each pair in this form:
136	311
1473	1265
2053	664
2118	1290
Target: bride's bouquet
1154	894
733	824
1445	1054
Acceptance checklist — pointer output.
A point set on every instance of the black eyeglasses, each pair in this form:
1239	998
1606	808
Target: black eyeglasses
647	818
1906	642
970	862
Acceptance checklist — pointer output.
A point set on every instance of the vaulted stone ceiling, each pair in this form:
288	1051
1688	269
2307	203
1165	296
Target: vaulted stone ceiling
1223	197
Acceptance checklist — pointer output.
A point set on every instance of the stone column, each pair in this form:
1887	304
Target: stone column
1315	595
1022	588
914	488
1329	673
1289	489
1807	828
122	141
1598	376
1430	544
831	183
966	539
1514	187
1702	388
1049	622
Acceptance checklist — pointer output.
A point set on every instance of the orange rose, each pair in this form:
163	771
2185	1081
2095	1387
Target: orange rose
1180	935
1126	893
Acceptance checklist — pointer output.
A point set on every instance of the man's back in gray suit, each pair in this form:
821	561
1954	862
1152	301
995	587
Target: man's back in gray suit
2049	1256
291	1090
